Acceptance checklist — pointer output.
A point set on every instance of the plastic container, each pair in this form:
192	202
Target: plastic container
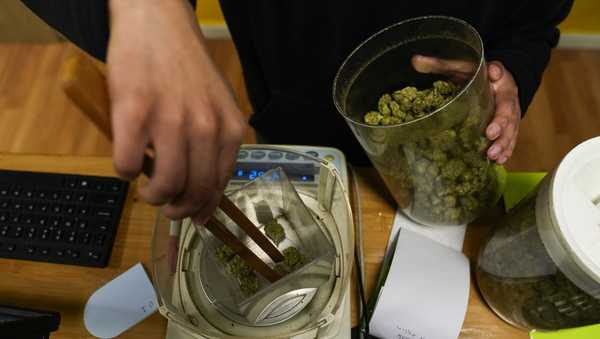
251	299
541	266
197	295
435	166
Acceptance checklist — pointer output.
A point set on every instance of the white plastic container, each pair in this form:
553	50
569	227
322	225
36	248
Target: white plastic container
541	266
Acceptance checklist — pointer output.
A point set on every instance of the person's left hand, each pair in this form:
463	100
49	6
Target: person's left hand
504	127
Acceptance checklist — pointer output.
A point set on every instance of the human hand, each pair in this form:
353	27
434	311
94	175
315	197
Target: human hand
167	95
504	127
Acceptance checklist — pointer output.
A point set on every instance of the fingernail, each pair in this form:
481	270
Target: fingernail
493	130
502	160
493	152
495	71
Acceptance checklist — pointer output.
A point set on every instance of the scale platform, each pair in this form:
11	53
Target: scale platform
304	175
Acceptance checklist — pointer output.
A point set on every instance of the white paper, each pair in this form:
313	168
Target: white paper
426	292
120	304
449	235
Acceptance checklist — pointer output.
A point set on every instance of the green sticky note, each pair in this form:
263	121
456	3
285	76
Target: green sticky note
586	332
518	185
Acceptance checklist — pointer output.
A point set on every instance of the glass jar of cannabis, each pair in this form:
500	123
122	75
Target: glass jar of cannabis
541	266
416	96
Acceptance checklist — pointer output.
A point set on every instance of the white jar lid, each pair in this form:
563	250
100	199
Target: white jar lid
575	205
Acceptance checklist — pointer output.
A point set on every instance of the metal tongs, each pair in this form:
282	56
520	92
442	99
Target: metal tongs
84	81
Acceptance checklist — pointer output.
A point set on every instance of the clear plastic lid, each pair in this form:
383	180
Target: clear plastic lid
196	291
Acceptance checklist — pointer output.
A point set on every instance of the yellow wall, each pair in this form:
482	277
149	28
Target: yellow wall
584	18
209	12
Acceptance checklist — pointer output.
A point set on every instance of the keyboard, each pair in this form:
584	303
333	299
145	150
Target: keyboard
59	218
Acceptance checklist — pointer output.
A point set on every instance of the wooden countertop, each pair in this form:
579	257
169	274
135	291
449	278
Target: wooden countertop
66	288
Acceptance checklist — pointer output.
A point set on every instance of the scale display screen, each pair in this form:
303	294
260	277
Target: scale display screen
295	171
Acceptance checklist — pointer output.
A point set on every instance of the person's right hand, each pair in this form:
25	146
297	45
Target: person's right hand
167	95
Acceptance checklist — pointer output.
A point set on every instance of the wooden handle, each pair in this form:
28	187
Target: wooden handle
85	84
254	233
220	231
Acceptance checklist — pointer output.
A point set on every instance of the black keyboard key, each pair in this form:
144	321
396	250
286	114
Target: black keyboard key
67	196
57	208
84	183
54	195
42	207
41	194
30	235
72	237
70	182
16	192
98	185
11	248
60	253
17	205
41	220
72	253
15	218
94	255
68	222
30	250
69	209
54	221
84	210
99	241
100	226
58	235
4	190
18	232
4	216
30	206
84	238
4	203
28	193
45	251
81	224
4	231
104	198
80	197
103	212
28	219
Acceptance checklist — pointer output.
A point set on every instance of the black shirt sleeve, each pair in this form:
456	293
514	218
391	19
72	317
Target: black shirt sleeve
524	41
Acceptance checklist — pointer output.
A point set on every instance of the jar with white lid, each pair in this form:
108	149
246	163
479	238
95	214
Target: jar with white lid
541	266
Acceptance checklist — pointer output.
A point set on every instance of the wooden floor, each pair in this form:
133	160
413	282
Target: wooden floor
36	117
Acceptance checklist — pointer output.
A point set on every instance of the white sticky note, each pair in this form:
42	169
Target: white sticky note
120	304
452	236
426	292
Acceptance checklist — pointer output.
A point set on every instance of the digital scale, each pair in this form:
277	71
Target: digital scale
314	172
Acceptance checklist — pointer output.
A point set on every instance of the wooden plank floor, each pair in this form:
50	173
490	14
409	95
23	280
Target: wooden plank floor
36	117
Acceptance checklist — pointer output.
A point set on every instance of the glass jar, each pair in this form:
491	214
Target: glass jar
541	266
435	165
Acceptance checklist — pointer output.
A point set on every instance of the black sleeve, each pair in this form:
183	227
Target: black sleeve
83	22
524	41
